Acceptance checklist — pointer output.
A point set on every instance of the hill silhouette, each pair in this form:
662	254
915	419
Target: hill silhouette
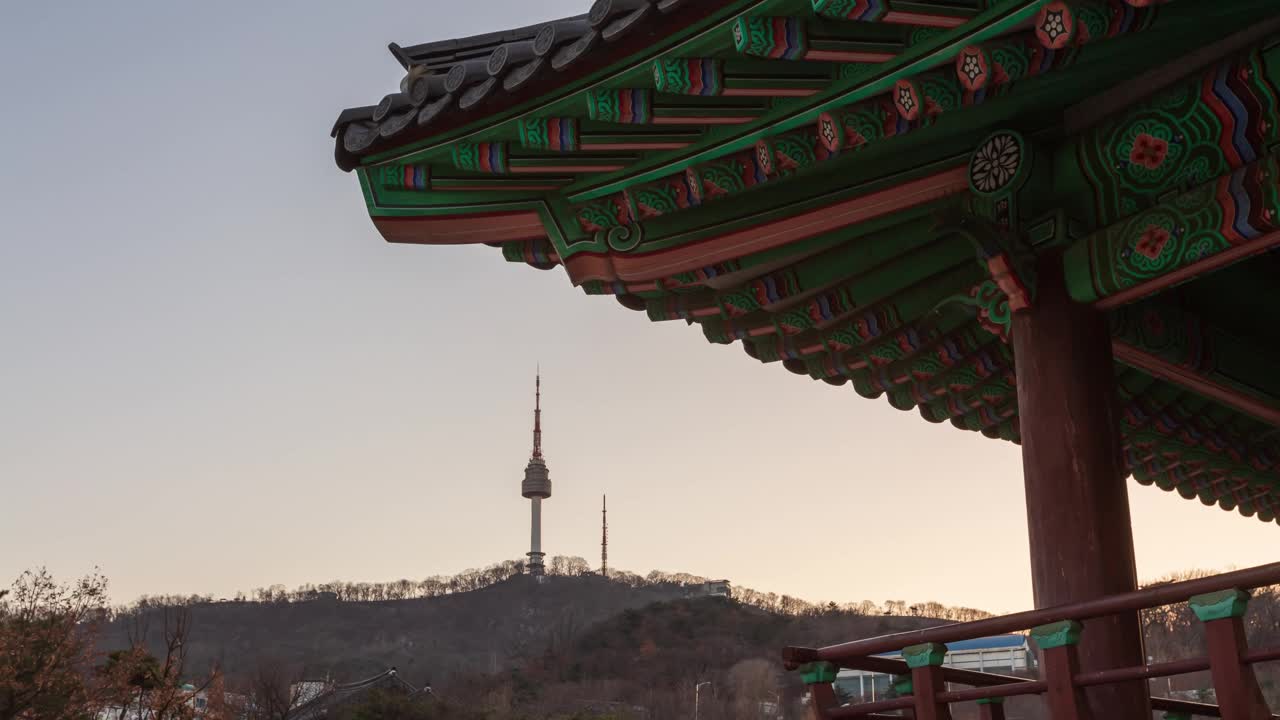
523	648
646	662
425	638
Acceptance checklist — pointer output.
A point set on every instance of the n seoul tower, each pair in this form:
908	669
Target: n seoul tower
537	484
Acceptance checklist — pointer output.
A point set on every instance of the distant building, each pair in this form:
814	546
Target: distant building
307	690
715	588
1001	654
332	697
198	700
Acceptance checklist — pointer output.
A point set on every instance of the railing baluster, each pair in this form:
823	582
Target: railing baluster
818	676
925	662
1235	684
1057	642
991	709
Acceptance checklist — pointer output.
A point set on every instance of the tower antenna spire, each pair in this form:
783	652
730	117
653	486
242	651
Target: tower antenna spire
537	414
604	535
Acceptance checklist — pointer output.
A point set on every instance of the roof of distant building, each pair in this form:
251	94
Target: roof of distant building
338	694
995	642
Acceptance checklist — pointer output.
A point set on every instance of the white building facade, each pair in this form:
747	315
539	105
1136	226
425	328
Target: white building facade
1001	654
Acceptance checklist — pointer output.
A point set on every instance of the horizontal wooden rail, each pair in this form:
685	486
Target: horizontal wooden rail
1186	706
1142	672
1254	657
889	666
1019	622
1191	708
865	709
1026	687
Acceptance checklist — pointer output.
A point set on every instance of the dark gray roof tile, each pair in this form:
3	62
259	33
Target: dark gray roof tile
390	104
477	92
466	73
509	56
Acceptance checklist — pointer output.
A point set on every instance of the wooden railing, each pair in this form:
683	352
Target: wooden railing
1219	602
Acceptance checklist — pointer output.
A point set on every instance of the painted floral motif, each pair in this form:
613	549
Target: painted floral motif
827	130
995	163
1203	139
764	156
1151	151
1053	25
1152	241
906	100
971	68
1148	151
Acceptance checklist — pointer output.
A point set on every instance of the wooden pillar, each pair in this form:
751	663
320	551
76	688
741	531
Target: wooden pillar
1234	683
925	662
1077	501
818	676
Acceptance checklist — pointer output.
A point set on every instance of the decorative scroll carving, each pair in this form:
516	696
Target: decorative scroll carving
776	38
692	76
560	134
480	157
630	106
622	238
404	177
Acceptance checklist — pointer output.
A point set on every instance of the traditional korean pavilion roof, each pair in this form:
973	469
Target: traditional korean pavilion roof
338	695
863	191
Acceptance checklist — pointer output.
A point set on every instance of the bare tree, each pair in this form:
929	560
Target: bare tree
274	688
753	681
47	633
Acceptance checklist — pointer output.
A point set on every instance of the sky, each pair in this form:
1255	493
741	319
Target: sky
216	376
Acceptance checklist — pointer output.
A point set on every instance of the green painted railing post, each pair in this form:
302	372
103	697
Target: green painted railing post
925	662
822	696
991	709
1235	685
1058	643
902	685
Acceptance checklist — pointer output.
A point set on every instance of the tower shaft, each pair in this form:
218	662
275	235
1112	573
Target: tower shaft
536	565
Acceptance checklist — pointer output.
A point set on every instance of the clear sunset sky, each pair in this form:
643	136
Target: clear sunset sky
215	375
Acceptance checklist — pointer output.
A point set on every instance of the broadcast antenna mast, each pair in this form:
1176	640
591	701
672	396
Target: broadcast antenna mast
604	535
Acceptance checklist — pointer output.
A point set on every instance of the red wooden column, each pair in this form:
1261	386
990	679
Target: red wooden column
925	662
1234	682
818	676
1077	500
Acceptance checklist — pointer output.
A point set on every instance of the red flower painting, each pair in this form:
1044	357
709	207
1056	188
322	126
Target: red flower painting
1148	151
1152	242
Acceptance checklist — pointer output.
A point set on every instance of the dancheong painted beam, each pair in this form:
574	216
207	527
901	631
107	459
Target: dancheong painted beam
1053	222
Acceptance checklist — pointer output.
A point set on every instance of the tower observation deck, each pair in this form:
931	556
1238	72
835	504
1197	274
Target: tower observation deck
536	485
